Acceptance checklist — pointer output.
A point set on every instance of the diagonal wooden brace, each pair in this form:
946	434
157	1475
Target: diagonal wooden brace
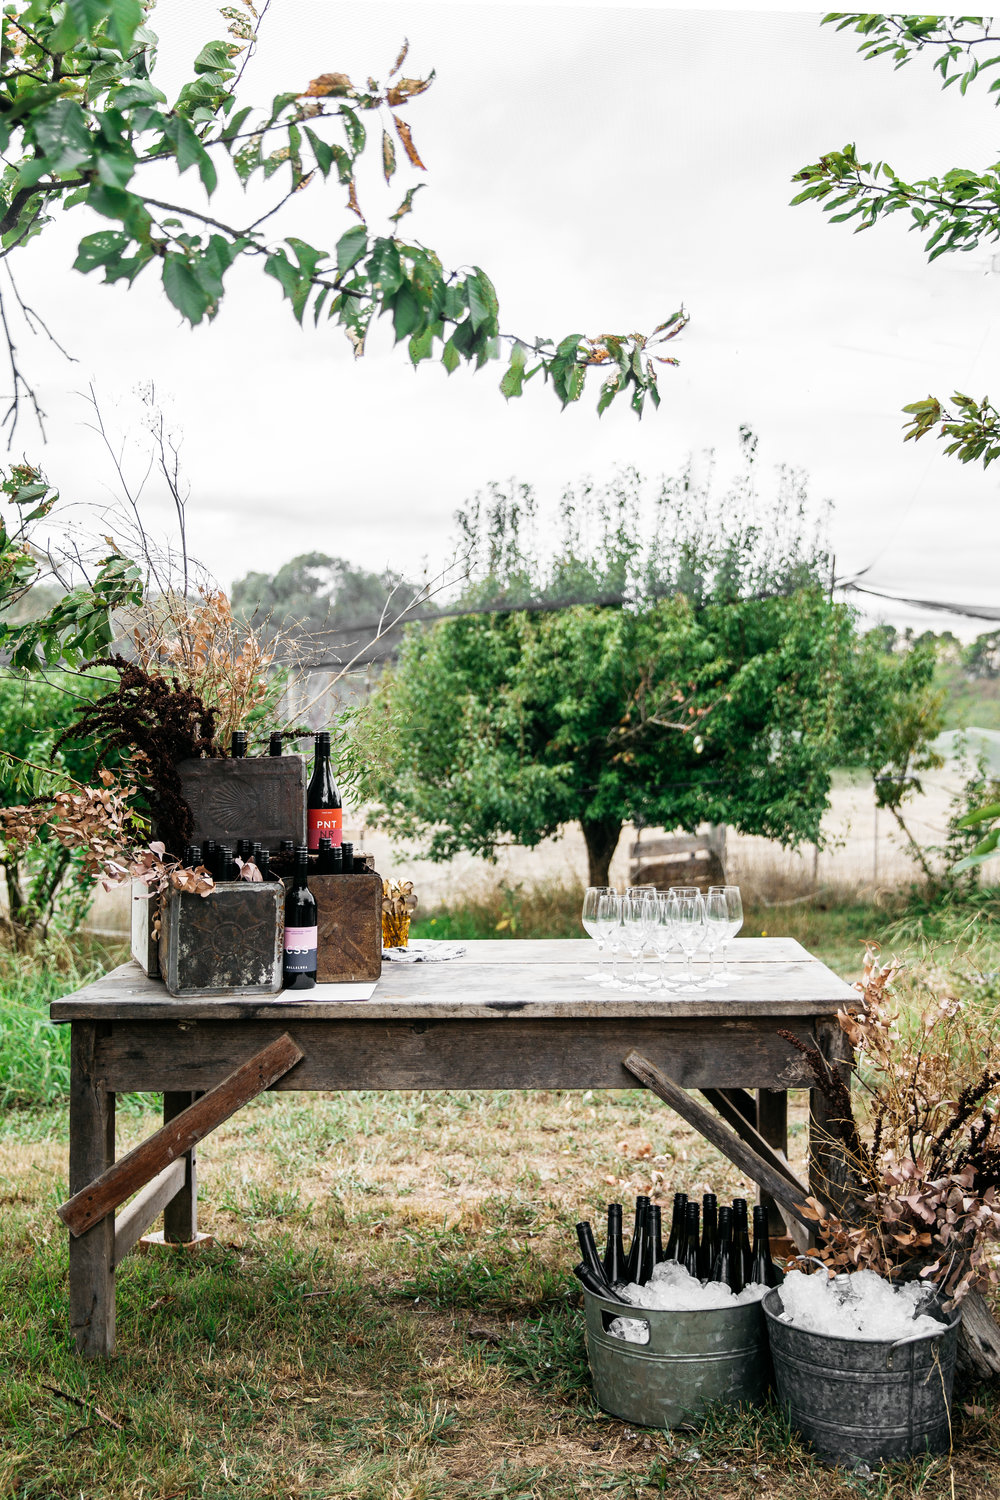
753	1159
102	1196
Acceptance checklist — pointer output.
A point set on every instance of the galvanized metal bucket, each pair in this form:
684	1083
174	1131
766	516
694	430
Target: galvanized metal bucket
865	1400
690	1361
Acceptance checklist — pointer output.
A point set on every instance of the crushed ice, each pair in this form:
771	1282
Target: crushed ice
860	1305
673	1289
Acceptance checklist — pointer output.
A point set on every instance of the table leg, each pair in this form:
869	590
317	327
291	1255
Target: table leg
180	1217
91	1152
828	1174
772	1124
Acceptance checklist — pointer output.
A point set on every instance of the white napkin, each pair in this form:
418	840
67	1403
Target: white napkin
423	950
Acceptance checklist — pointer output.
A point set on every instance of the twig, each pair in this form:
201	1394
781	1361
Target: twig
14	409
31	317
84	1406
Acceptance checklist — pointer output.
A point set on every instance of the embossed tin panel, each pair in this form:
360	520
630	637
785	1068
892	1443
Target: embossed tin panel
231	940
262	798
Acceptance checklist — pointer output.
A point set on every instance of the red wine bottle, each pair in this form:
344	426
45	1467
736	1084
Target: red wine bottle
301	936
323	800
591	1259
614	1249
324	864
709	1234
741	1239
264	865
692	1239
724	1264
762	1267
634	1261
675	1244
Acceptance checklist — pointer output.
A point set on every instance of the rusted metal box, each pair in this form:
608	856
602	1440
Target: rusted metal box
230	940
349	918
261	798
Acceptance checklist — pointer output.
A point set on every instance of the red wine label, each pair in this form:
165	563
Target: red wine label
301	946
325	823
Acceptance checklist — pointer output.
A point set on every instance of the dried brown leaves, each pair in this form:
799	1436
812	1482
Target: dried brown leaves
398	905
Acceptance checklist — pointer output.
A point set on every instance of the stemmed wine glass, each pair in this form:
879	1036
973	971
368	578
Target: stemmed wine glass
636	931
609	924
689	927
593	928
716	933
647	895
663	939
730	894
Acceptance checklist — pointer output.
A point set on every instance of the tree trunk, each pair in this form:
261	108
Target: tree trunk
602	835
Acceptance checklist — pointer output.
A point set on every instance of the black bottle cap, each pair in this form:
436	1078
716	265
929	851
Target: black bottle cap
287	846
256	848
322	739
209	846
325	843
229	870
338	860
347	855
238	747
275	745
264	865
192	856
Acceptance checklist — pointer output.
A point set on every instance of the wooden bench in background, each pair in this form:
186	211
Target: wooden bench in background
692	859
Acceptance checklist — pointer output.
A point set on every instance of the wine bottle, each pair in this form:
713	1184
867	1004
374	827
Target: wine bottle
741	1238
724	1265
762	1267
347	855
588	1248
338	860
648	1258
192	856
242	850
301	937
586	1277
324	865
656	1233
275	745
634	1260
614	1249
323	800
692	1239
709	1234
675	1244
227	864
238	747
208	849
264	865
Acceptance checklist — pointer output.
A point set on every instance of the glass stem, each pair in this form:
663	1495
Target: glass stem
725	960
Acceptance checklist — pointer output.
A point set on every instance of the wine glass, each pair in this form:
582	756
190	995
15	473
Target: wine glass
663	938
716	932
734	921
592	926
609	924
689	927
647	895
635	931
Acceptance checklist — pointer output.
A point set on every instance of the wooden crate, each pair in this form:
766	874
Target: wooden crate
231	941
145	948
260	798
349	918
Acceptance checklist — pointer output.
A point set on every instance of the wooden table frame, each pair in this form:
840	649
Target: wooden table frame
507	1015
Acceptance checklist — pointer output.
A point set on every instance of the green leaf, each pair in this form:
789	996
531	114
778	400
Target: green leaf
385	267
351	247
388	156
355	129
184	289
484	307
279	266
115	169
213	58
123	21
512	383
407	313
450	357
97	249
981	815
422	345
407	204
322	152
61	131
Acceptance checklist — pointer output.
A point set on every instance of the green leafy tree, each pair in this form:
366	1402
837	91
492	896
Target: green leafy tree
84	125
953	212
727	699
318	591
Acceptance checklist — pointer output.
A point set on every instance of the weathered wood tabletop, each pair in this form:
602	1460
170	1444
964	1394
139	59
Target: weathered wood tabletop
506	1014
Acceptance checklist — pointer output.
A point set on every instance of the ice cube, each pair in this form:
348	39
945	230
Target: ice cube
859	1305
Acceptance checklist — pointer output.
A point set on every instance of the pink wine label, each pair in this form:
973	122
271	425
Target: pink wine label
325	823
301	946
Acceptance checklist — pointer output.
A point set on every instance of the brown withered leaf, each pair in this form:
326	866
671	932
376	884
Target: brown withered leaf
352	201
403	131
388	156
337	84
404	49
408	88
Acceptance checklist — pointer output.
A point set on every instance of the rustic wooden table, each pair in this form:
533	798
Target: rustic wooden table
508	1014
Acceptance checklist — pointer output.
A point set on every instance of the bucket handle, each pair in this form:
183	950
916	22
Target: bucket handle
911	1338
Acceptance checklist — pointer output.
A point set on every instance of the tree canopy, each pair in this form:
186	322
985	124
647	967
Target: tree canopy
716	686
318	591
955	211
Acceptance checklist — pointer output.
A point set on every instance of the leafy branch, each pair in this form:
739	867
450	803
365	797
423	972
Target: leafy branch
81	121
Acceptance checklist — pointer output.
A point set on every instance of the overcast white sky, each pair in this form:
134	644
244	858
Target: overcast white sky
603	164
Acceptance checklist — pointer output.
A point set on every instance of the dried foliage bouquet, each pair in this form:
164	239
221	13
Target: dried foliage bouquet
924	1165
398	905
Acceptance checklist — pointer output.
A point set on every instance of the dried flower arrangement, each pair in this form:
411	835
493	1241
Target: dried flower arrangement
398	905
924	1167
